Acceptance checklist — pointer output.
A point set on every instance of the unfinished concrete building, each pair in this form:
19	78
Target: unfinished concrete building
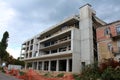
67	46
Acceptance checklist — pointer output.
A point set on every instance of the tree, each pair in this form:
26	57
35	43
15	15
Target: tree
3	46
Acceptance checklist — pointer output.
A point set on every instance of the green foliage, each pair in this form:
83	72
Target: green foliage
60	75
47	74
111	74
3	46
116	75
110	71
22	73
18	62
90	72
76	77
107	74
0	68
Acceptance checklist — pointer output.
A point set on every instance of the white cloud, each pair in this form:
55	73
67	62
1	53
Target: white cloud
7	14
14	52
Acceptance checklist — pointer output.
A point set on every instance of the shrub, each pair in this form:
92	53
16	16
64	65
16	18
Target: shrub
60	75
106	71
116	74
47	74
21	73
76	76
90	72
107	74
0	68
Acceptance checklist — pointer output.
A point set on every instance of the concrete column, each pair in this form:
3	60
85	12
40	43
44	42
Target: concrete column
38	49
32	65
49	67
67	65
57	65
25	65
37	65
58	50
50	52
67	48
28	55
86	32
42	65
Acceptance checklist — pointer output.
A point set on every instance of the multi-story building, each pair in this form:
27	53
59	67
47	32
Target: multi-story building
67	46
108	40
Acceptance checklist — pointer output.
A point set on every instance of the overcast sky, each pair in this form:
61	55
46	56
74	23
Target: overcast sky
25	18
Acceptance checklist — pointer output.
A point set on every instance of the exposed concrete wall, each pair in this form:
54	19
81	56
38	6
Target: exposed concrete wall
86	32
75	47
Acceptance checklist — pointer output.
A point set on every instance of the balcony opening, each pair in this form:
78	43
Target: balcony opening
30	54
47	44
27	48
28	43
47	52
53	42
48	36
31	47
62	65
62	49
76	24
46	64
53	51
63	39
53	65
32	41
64	27
69	47
26	55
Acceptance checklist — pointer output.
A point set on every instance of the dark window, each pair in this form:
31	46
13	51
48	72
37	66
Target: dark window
28	43
107	31
40	66
35	65
62	49
54	51
64	27
46	64
83	65
47	52
62	65
27	48
32	41
70	64
48	36
110	48
31	47
47	44
53	65
118	30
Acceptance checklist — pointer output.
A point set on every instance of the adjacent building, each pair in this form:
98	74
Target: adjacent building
108	40
71	44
